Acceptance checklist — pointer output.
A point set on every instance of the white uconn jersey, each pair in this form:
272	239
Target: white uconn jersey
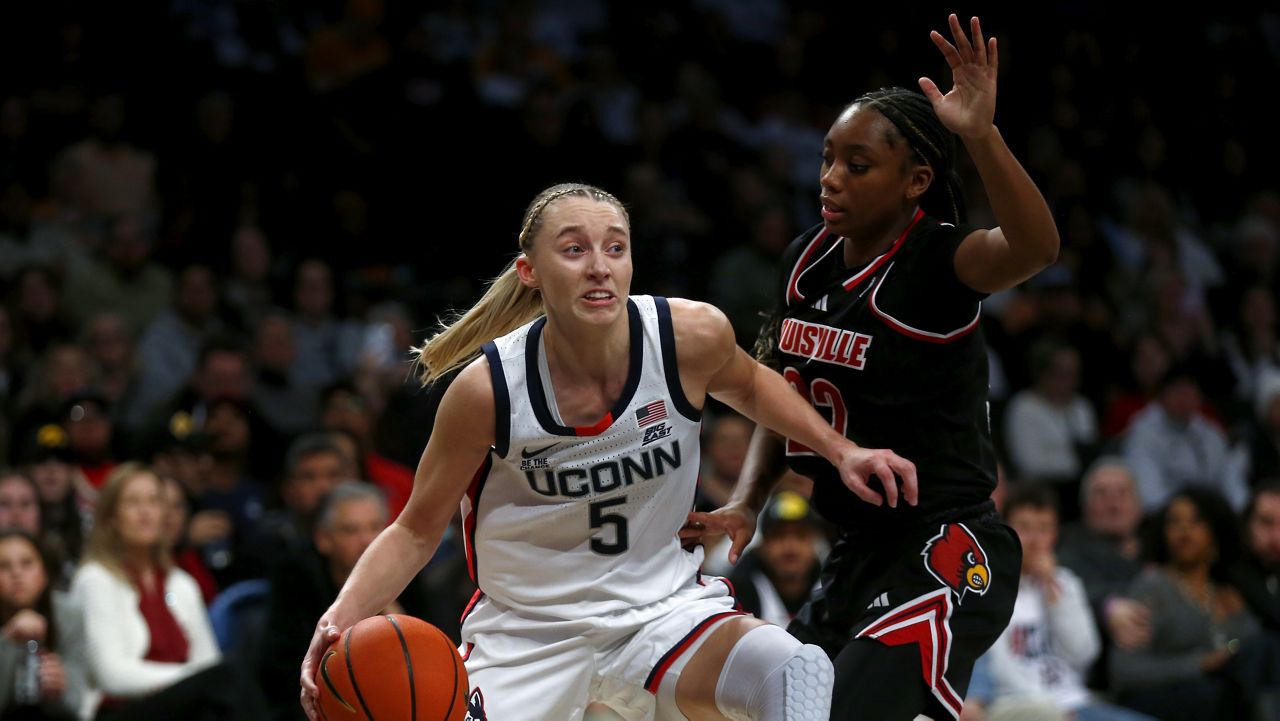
569	522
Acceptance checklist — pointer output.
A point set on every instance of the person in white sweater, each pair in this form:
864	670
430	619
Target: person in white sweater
1051	638
149	649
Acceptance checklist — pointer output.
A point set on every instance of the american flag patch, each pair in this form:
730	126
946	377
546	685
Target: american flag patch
651	413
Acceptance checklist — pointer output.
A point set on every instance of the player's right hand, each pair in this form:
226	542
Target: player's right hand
736	520
326	633
857	466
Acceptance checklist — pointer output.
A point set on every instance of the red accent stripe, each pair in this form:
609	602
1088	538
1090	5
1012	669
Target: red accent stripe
925	622
655	678
902	239
467	654
792	290
471	605
733	593
597	429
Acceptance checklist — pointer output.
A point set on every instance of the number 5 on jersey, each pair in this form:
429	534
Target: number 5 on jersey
821	394
600	519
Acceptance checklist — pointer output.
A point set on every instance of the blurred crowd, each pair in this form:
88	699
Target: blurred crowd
224	223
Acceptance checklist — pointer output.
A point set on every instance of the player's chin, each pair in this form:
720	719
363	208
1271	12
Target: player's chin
841	225
601	311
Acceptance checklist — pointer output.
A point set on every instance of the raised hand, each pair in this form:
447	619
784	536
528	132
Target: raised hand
969	108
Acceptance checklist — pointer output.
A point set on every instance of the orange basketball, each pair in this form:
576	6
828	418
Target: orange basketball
388	668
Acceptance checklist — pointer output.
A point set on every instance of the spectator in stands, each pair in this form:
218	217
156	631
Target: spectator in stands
1258	576
1051	640
287	406
773	580
1172	444
149	648
65	501
328	346
343	408
169	350
1104	551
1051	429
1198	619
19	503
86	419
127	281
306	583
33	622
314	466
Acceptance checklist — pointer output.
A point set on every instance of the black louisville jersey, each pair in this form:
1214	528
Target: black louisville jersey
892	355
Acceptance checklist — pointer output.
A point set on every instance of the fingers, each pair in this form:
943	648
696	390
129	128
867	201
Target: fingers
861	490
740	540
709	522
930	91
906	470
993	58
962	40
979	45
309	706
949	51
887	482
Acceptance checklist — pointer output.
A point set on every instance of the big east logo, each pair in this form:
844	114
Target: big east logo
955	558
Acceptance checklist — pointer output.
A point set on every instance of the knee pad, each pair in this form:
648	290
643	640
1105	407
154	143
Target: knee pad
770	676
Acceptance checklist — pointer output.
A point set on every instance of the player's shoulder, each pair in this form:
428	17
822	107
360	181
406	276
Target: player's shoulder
934	235
694	320
703	335
797	246
471	393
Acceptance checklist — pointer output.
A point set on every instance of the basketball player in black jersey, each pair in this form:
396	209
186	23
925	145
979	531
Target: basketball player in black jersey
877	326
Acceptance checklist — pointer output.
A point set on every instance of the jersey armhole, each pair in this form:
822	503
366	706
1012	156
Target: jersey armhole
501	400
670	367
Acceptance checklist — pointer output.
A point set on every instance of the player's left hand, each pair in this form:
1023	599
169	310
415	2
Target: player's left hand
969	108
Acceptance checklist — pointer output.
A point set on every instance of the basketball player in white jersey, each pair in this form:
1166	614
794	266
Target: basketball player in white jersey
570	438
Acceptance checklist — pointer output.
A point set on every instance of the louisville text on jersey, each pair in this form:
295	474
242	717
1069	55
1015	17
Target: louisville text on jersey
824	343
607	475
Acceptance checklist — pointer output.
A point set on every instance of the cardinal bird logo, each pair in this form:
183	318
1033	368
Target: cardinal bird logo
475	707
955	558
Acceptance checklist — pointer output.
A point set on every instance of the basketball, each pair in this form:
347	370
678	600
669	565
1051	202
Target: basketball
392	667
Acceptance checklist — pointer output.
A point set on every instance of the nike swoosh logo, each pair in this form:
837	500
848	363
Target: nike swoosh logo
324	673
526	453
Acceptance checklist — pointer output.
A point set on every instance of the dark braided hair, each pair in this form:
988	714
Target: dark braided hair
930	141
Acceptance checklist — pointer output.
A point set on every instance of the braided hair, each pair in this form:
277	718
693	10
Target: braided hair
932	144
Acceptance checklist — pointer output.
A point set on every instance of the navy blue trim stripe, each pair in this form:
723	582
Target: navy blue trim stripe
537	392
667	334
660	668
469	523
733	593
501	400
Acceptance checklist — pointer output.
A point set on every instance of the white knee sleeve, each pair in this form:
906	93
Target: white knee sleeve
770	676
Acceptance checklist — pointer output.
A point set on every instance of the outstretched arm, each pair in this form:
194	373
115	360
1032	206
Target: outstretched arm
1026	240
711	363
463	434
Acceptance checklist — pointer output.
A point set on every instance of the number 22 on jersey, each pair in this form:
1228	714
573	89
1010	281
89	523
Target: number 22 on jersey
823	395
